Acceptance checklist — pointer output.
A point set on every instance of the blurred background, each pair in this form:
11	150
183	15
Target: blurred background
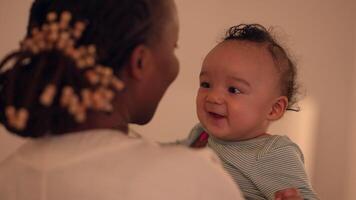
320	35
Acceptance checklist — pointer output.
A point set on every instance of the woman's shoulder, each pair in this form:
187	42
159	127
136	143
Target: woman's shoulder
158	171
195	173
141	168
188	159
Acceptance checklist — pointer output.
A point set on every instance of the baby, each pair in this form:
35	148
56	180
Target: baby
247	82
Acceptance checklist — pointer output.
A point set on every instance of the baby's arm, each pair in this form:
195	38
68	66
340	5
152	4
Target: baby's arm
282	168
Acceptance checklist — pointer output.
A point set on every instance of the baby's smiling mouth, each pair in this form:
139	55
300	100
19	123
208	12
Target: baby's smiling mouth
216	115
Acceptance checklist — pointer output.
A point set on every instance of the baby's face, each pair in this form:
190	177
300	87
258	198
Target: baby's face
238	87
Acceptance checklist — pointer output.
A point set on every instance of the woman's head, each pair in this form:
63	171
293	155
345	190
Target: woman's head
111	43
153	70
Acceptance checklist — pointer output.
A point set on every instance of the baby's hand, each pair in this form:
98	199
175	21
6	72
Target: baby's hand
288	194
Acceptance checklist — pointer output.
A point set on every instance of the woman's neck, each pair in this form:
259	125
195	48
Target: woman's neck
99	120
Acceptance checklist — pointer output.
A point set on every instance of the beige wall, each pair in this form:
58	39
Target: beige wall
352	158
13	18
319	33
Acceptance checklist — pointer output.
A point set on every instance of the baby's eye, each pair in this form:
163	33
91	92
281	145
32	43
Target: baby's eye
234	90
204	85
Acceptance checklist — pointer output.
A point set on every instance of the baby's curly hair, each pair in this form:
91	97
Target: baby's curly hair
287	68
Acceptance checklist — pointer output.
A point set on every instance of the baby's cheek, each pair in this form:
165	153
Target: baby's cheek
199	104
200	115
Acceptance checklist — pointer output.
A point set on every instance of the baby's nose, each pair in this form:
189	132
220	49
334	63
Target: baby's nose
215	97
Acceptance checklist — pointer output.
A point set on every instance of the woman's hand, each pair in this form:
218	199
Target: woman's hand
288	194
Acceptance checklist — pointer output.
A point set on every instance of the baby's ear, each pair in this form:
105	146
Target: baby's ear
278	108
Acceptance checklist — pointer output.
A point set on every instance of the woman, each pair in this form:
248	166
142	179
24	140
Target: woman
86	70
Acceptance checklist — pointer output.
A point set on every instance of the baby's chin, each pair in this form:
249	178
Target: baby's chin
225	134
219	133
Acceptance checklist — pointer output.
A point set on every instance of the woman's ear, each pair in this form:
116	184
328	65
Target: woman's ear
139	62
278	108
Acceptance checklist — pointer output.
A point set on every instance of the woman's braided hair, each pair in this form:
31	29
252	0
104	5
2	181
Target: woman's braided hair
50	70
287	68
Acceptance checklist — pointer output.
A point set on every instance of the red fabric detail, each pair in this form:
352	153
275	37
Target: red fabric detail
202	140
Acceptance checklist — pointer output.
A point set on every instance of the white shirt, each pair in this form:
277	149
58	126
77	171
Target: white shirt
107	165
